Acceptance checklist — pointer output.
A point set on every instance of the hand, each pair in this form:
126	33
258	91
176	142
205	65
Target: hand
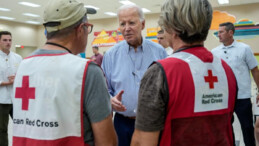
11	79
116	102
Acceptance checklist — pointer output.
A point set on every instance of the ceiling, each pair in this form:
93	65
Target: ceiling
17	10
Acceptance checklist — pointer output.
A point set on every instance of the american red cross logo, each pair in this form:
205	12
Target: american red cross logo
25	93
211	79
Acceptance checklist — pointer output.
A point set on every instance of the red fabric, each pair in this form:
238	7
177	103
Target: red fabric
25	93
68	141
183	127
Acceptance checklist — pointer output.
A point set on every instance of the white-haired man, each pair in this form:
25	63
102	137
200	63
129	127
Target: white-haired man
61	99
124	65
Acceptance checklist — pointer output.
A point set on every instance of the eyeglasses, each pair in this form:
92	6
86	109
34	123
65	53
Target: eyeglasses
89	27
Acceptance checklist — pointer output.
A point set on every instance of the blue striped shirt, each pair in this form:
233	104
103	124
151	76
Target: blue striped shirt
124	69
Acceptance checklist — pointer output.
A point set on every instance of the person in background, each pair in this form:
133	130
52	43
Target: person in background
61	99
162	41
97	57
240	58
124	65
188	98
9	62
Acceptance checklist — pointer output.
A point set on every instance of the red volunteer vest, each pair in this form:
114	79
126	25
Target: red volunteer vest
48	102
202	93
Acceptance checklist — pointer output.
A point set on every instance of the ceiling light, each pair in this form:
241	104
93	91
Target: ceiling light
31	15
145	10
110	13
4	9
29	4
6	18
223	2
33	22
126	2
89	6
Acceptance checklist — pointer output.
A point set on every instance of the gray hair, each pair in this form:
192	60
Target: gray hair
139	10
66	31
190	19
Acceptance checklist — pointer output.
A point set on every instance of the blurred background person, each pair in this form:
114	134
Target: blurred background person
97	57
241	59
162	41
9	62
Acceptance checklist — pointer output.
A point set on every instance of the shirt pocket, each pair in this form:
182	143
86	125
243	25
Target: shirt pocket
238	63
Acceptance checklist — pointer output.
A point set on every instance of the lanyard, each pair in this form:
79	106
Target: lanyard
54	44
185	48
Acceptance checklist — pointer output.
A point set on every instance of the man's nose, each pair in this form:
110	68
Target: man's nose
127	27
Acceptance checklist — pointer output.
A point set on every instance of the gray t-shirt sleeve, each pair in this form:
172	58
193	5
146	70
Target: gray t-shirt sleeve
97	104
152	102
97	99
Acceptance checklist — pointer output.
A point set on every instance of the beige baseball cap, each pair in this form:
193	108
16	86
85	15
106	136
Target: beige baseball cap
59	14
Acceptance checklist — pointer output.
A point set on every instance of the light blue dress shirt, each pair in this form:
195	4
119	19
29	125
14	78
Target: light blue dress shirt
240	58
124	69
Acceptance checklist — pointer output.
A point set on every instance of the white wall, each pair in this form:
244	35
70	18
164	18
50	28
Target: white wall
22	34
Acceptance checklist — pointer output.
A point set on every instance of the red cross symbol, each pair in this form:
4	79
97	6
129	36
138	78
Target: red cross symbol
25	93
211	79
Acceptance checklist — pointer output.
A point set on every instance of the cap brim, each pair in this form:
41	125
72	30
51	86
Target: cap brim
91	11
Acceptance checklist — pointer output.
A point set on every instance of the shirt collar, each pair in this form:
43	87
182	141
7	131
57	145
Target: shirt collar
141	46
230	46
3	53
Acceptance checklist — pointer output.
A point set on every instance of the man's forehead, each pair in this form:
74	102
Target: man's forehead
6	37
222	27
128	13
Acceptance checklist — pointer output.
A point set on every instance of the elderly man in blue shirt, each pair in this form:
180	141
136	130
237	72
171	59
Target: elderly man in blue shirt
124	65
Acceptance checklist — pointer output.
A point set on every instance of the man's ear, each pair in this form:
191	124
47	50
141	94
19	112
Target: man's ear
143	24
80	29
231	32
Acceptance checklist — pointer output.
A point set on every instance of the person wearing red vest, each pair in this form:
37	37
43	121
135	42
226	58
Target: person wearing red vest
59	98
188	98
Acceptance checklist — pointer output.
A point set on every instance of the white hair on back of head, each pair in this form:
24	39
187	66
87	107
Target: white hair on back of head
139	10
191	19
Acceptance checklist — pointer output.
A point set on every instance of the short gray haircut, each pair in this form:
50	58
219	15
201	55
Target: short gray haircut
229	26
139	10
66	31
190	19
